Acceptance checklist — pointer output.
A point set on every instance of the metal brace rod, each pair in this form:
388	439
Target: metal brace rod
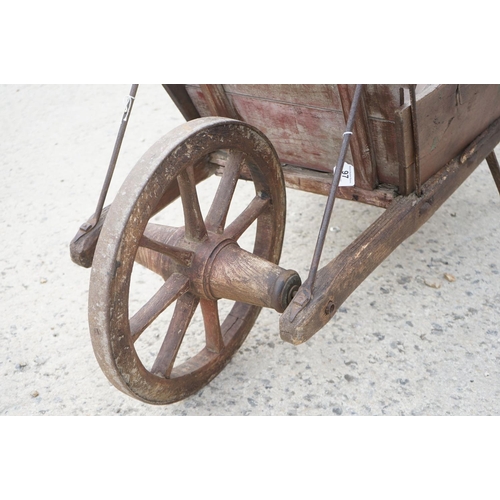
87	226
309	285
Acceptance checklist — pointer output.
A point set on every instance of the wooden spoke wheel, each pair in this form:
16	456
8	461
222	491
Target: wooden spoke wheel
199	262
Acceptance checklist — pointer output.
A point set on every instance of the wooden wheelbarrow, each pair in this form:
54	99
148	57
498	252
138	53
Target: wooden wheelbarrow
405	148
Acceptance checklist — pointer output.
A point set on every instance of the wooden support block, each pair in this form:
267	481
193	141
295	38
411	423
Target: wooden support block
218	101
182	100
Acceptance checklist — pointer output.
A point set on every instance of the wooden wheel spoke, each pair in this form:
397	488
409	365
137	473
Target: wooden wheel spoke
171	290
213	334
216	218
193	218
247	217
178	254
184	310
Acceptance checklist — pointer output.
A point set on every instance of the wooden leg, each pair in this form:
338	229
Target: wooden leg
307	314
494	168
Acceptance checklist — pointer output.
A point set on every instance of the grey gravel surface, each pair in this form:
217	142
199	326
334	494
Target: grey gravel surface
419	337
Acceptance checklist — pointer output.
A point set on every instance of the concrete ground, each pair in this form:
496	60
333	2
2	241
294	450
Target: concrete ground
419	337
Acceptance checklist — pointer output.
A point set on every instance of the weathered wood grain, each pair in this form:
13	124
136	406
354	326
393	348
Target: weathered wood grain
319	183
305	123
218	102
324	96
303	136
361	146
449	118
312	181
341	276
302	121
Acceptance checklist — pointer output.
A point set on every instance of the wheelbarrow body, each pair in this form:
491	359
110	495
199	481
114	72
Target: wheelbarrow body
411	147
305	123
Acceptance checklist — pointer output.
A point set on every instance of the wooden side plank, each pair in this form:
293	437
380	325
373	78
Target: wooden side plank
324	96
303	135
311	181
319	183
449	117
384	140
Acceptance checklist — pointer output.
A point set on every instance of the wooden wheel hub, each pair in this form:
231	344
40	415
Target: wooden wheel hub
217	268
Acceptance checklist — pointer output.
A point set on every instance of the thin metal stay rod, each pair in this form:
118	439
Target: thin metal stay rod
87	226
333	189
